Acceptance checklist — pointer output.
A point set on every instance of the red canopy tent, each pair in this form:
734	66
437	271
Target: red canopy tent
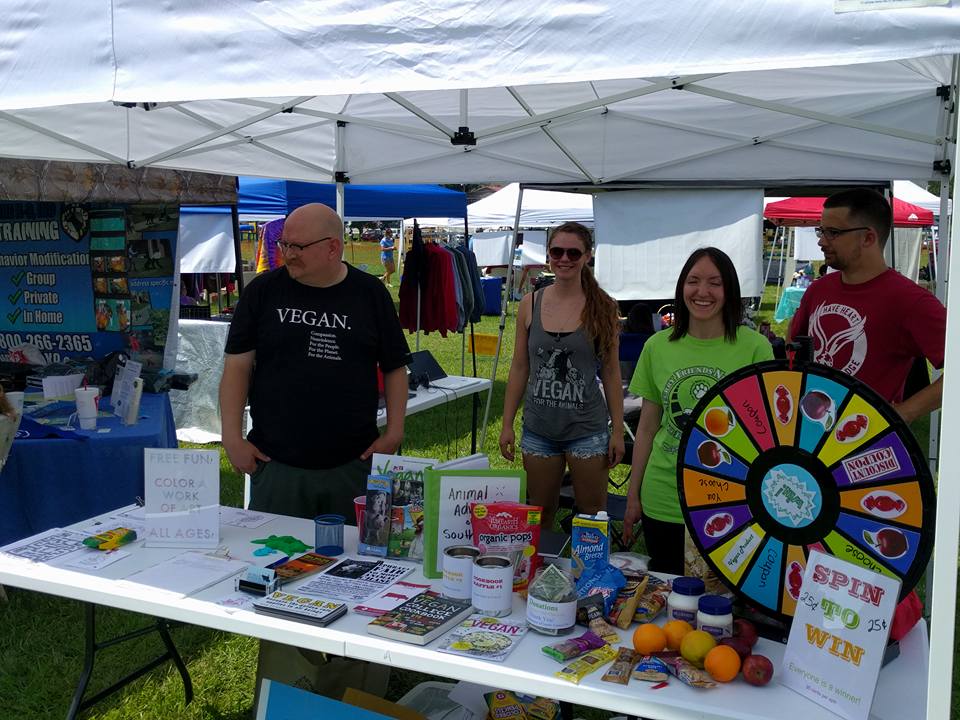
806	211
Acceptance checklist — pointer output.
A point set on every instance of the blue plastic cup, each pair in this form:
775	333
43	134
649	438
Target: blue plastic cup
329	534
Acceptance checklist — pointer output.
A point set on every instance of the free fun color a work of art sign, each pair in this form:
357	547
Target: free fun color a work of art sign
778	461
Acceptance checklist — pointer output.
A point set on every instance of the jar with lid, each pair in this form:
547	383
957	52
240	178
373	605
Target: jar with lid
552	601
715	615
682	603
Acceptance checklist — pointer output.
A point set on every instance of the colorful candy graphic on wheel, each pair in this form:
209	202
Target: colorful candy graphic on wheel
776	462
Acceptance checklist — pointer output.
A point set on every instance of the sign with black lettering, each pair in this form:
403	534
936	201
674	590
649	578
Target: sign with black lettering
182	494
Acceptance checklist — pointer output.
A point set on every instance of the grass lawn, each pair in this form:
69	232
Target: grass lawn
41	646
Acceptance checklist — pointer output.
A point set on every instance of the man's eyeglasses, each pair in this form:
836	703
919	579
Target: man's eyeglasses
834	233
558	252
287	246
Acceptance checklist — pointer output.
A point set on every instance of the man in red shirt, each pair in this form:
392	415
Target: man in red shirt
868	320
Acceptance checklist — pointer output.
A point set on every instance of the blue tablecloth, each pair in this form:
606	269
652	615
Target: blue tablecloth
789	302
52	482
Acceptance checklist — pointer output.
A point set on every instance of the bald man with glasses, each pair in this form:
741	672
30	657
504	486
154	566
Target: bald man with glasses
867	320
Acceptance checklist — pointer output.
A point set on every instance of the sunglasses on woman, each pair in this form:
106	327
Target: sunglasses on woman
558	252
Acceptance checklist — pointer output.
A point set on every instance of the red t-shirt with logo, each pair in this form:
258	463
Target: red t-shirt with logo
873	330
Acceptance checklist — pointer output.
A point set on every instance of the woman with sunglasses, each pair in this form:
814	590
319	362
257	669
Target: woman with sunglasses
566	333
676	367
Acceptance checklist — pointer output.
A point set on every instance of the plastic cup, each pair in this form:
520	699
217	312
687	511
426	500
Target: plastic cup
16	401
329	534
87	407
360	507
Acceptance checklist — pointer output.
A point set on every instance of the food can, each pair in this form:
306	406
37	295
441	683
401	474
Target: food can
493	585
458	571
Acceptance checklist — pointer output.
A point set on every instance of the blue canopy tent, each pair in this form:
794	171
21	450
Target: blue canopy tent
261	197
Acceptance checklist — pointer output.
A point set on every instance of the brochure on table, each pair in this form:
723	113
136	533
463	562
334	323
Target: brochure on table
447	498
182	494
839	635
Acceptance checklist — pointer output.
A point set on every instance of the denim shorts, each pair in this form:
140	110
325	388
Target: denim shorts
583	447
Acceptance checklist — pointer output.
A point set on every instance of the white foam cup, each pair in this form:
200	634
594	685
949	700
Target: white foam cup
87	407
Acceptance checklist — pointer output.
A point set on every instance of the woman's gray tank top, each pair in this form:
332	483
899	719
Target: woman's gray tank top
563	400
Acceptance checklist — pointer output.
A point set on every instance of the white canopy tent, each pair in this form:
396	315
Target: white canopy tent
681	92
916	195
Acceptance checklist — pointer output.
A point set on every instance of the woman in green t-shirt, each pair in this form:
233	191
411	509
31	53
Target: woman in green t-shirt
677	366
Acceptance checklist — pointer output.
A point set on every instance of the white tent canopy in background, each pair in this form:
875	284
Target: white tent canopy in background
915	195
205	243
645	236
495	249
541	208
670	91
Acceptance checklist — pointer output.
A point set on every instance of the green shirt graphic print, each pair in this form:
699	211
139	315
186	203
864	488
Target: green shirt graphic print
675	375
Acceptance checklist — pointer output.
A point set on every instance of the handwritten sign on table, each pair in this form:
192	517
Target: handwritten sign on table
182	493
839	635
446	507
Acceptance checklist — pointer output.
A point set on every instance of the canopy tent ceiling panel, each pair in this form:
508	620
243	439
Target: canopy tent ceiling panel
731	101
260	197
541	208
807	211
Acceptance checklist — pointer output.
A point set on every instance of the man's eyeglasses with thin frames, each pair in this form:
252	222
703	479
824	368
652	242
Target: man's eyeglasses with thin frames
834	233
287	246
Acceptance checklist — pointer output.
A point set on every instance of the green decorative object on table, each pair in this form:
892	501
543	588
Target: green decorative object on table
286	544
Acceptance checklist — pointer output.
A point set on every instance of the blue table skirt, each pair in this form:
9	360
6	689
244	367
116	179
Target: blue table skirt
52	482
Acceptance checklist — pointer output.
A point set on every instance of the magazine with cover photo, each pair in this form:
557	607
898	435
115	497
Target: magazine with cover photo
484	638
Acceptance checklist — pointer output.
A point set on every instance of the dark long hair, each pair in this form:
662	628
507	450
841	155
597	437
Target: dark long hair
732	312
600	316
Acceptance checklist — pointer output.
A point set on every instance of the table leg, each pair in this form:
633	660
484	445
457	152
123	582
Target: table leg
91	646
473	432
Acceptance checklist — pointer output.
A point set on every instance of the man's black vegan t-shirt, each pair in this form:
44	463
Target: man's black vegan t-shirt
313	394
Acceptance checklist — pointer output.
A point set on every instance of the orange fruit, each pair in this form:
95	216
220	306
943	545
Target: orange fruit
695	646
649	638
675	630
723	663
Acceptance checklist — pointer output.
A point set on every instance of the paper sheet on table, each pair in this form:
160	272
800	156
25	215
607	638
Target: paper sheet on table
46	546
238	517
61	386
187	573
90	559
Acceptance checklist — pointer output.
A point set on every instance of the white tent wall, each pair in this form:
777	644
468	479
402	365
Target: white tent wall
644	237
682	91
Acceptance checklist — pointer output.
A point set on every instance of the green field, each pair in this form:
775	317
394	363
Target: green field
41	646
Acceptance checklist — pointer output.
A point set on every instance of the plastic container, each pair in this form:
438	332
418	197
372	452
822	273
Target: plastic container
684	598
715	615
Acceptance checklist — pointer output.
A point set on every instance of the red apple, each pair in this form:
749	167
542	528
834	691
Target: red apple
737	643
745	630
757	670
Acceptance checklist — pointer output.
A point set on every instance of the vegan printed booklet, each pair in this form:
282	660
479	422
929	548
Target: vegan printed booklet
485	638
420	619
395	595
299	607
354	581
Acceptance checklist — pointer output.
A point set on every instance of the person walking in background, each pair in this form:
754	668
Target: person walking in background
566	332
676	368
387	249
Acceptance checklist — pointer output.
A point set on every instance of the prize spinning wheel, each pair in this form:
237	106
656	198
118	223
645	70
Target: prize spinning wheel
778	461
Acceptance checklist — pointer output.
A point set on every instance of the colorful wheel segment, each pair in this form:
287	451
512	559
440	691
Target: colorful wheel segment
780	461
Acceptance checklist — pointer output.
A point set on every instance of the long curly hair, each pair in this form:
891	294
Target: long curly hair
600	317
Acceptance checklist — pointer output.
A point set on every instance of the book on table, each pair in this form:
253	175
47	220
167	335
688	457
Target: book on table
288	606
421	618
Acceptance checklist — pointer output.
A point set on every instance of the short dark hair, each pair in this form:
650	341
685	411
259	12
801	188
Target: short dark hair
732	302
867	207
639	319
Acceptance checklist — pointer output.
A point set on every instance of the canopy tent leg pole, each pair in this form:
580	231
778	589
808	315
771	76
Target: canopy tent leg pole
504	301
418	318
942	617
784	245
773	248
